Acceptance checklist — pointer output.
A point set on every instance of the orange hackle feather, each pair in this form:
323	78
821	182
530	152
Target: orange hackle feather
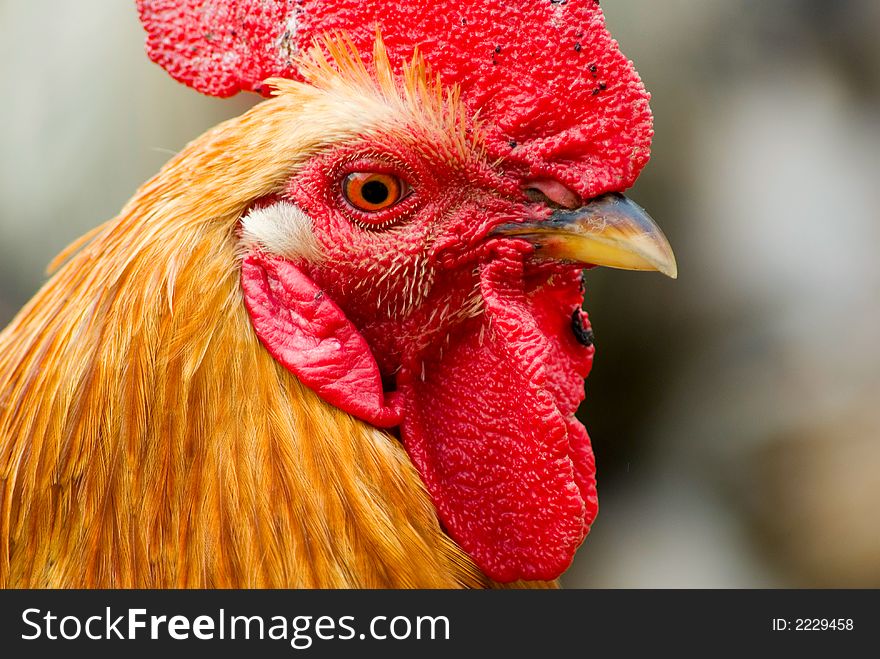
147	439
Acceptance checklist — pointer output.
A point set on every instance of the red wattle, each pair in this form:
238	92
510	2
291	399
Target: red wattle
310	335
490	427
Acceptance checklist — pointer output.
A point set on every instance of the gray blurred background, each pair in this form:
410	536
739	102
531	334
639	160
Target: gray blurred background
735	413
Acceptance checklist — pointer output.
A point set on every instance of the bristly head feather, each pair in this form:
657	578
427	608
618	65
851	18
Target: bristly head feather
415	99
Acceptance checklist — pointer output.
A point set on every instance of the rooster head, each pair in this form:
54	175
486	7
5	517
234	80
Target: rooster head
442	175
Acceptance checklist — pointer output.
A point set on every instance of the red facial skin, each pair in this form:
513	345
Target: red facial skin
486	399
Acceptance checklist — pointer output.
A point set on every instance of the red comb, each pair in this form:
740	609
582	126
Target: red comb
220	47
556	94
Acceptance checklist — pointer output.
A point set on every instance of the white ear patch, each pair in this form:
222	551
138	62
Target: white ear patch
282	229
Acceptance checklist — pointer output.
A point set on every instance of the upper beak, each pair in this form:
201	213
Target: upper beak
609	230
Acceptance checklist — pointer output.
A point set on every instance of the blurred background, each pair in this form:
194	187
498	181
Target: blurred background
735	413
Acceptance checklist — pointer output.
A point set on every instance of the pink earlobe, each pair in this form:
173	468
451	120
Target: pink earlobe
310	335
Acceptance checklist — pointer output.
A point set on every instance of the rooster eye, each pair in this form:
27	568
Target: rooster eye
372	191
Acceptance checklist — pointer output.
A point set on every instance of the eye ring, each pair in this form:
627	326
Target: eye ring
371	192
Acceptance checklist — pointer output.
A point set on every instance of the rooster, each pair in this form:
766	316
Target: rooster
337	341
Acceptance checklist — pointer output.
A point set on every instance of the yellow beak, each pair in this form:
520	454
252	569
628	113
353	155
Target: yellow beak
610	231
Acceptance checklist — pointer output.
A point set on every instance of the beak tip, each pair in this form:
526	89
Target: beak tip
670	269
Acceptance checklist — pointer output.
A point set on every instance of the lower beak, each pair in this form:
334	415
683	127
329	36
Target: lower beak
610	231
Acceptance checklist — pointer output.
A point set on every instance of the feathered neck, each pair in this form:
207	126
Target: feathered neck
147	439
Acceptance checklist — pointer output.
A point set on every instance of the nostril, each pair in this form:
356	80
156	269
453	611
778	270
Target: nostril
545	189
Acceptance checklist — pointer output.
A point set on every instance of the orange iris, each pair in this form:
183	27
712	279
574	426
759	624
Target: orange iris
372	191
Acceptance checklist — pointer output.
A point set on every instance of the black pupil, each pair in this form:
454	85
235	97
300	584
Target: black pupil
375	192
